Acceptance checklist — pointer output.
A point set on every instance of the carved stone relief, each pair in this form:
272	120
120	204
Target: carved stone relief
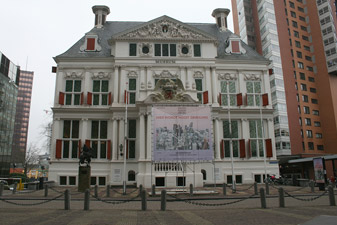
252	76
227	76
73	75
101	75
198	74
185	50
165	74
132	74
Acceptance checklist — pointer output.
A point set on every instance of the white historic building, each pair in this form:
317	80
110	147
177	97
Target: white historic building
160	62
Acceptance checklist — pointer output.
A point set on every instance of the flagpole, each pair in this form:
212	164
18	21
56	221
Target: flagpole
125	135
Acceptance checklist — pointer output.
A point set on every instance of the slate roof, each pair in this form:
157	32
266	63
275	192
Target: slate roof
112	28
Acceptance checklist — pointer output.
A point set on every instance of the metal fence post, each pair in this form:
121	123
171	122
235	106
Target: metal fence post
14	188
86	199
46	190
143	197
1	188
66	199
96	191
191	189
331	196
140	188
281	197
267	188
312	186
224	191
108	191
153	190
263	199
163	200
255	188
233	187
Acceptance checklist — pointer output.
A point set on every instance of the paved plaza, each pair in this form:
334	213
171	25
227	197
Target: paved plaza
303	207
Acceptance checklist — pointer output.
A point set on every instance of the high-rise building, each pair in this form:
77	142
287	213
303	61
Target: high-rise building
179	103
299	37
22	117
9	80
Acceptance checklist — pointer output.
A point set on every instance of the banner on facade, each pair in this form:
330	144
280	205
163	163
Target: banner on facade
182	133
319	170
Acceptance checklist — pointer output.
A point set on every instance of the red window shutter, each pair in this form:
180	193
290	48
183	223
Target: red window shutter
109	149
89	98
127	149
58	148
239	99
271	71
265	101
87	143
110	98
242	148
90	44
235	46
205	97
222	149
249	150
61	98
79	148
219	99
126	97
82	98
269	148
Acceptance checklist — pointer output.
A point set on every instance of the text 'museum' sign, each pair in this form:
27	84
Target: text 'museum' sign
182	133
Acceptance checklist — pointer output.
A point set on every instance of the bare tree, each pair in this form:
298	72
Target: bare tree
46	131
32	157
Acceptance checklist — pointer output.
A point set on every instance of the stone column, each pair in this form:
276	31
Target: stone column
216	138
115	85
149	137
122	86
84	130
114	139
208	84
214	85
142	136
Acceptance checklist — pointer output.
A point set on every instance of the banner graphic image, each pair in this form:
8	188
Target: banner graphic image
182	133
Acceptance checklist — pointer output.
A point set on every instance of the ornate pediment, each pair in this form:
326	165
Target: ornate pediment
73	75
100	75
252	77
165	74
165	28
227	76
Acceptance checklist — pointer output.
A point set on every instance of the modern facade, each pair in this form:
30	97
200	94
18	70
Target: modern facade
300	38
22	117
9	80
115	84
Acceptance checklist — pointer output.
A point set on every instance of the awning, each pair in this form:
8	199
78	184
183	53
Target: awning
326	157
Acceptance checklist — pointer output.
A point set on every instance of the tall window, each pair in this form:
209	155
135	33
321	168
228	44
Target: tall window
165	50
199	88
70	139
132	139
256	138
253	93
73	92
227	137
132	49
99	135
228	88
197	50
100	92
132	90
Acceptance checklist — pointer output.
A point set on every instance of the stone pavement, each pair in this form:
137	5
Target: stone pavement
177	212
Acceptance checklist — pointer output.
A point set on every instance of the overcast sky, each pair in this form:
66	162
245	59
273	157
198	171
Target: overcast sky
35	31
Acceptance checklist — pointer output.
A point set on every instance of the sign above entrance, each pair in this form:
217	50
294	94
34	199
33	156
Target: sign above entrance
182	133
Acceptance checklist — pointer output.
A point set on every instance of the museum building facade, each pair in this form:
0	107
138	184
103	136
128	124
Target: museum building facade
112	82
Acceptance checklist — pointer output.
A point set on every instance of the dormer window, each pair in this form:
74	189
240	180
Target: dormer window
234	46
91	43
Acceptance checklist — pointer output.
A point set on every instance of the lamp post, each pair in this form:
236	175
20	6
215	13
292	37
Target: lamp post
125	135
124	175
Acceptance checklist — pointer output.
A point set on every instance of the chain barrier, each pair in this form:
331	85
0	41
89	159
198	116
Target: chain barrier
301	188
76	193
31	204
306	199
26	192
121	193
114	202
246	189
56	190
211	204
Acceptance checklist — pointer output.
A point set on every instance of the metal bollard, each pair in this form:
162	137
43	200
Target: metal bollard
255	188
143	197
66	199
14	187
46	190
163	200
263	199
1	188
267	188
96	191
233	187
224	190
312	186
191	189
153	190
108	191
281	197
140	189
331	196
86	199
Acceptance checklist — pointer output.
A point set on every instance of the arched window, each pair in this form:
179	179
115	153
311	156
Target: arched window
131	175
203	174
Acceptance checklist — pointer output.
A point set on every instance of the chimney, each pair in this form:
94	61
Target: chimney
101	12
220	16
